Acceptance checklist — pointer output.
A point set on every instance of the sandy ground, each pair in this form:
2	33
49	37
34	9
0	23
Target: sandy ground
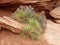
8	38
52	33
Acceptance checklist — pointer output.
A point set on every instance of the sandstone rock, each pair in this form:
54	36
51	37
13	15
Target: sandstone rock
56	12
58	3
32	1
4	12
11	2
9	24
8	2
50	5
58	21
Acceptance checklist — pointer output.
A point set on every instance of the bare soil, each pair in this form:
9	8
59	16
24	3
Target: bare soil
9	38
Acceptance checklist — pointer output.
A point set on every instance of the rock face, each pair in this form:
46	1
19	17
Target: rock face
9	24
58	3
11	2
8	2
56	12
50	5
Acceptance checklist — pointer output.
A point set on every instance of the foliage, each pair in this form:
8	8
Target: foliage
26	15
